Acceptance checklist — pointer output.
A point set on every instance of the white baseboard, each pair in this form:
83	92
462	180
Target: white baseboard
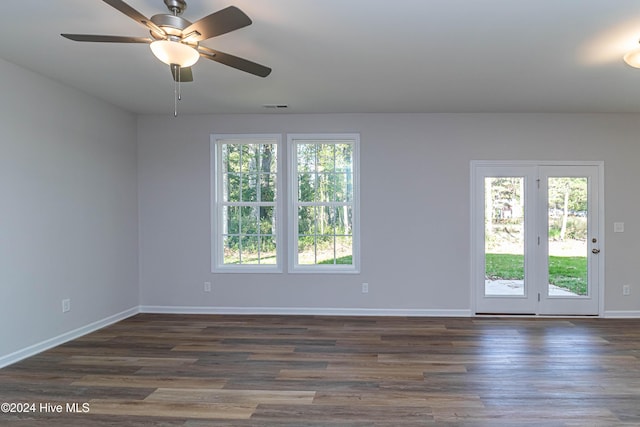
622	314
304	311
63	338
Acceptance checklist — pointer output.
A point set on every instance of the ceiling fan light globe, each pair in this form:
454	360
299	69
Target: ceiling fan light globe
172	52
633	58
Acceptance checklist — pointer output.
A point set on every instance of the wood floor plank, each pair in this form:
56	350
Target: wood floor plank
128	408
128	361
343	414
371	398
353	374
241	397
235	348
301	356
138	381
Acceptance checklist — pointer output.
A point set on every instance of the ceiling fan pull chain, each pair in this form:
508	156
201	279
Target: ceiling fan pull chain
177	88
175	99
179	83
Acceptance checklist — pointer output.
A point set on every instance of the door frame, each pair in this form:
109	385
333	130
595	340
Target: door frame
476	270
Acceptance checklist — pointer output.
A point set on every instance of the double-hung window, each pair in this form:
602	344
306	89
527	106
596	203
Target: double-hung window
245	211
323	194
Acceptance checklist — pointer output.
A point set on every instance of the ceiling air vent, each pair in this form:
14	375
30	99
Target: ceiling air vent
276	106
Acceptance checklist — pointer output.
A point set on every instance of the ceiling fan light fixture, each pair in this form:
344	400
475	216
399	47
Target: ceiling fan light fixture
174	52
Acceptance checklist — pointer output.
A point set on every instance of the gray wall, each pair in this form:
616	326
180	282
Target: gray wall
68	209
414	207
83	215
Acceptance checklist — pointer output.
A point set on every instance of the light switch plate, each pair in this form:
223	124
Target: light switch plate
618	227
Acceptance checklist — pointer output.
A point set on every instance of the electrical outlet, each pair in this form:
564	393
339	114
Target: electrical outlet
365	288
207	286
626	290
66	305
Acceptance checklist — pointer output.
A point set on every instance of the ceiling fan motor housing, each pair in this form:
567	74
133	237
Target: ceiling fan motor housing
171	24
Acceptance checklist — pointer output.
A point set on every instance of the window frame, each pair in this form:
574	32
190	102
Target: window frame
217	204
292	188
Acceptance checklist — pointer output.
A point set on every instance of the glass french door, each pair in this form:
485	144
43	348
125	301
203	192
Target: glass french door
536	238
570	240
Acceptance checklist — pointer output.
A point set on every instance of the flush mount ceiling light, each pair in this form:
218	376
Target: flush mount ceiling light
175	41
632	58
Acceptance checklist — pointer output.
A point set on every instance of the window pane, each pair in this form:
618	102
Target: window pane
325	188
230	158
231	188
325	221
249	220
568	226
344	250
268	159
267	220
344	188
325	250
250	155
231	219
306	220
325	158
335	182
250	250
249	187
231	250
504	236
340	188
267	250
306	157
306	250
268	185
306	187
344	153
343	220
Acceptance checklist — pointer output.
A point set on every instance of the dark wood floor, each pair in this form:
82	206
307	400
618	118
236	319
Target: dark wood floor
195	371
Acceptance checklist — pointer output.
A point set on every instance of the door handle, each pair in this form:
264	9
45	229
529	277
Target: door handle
595	250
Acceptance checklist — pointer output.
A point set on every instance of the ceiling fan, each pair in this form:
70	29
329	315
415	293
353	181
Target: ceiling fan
176	41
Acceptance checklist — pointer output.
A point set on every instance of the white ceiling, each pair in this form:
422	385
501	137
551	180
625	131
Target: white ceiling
334	56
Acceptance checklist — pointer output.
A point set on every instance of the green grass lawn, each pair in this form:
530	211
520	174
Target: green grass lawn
566	272
342	260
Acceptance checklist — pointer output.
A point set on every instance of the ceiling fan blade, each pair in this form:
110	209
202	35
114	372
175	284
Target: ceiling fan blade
235	62
105	39
220	22
135	15
185	76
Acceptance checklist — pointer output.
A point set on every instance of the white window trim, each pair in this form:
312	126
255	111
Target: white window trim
217	252
292	189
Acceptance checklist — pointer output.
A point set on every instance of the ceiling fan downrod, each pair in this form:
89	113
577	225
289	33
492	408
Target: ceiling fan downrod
177	7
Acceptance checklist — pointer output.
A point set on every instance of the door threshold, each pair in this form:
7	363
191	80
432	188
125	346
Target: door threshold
543	316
